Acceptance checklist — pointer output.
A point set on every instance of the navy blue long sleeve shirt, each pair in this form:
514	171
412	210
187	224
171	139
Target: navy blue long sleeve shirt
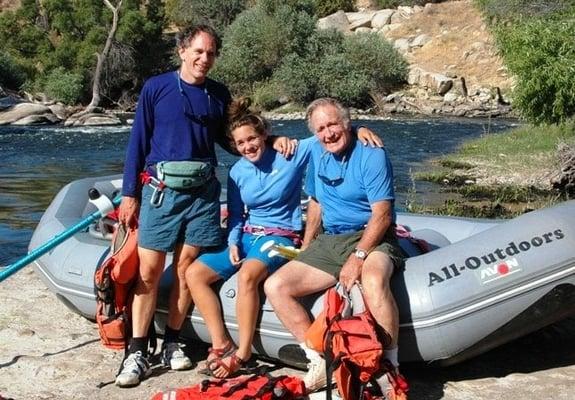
175	121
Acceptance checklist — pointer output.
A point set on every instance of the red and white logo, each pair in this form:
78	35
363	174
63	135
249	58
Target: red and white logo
500	270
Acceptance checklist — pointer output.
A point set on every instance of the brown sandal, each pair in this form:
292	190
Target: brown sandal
234	365
216	354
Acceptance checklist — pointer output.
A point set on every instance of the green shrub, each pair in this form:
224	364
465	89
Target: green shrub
267	94
63	86
327	7
377	59
296	78
346	67
337	77
536	42
513	9
258	40
12	75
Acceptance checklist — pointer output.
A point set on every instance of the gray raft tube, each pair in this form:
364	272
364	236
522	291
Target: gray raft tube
484	283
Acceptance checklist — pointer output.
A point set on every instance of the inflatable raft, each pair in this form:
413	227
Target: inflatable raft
484	283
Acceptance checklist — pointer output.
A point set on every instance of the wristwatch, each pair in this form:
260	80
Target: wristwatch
360	253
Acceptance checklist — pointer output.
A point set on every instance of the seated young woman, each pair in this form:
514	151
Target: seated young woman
263	204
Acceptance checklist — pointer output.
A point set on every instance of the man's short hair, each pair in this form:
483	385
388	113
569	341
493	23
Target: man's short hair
185	36
342	110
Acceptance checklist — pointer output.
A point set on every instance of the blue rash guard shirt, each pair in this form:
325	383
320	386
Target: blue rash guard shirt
270	189
175	121
346	185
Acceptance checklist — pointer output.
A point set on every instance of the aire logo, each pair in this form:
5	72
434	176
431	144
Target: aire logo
500	270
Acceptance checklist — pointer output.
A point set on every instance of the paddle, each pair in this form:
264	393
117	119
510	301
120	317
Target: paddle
104	205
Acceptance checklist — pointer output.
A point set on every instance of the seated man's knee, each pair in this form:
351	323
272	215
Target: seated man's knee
377	270
272	286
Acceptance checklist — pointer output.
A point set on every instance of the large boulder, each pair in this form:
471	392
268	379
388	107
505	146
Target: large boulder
92	119
381	18
359	20
38	119
336	21
22	110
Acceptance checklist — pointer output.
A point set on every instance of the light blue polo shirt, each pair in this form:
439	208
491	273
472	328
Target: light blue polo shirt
346	185
270	191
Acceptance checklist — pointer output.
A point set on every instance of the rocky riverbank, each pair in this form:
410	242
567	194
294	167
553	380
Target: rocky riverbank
454	69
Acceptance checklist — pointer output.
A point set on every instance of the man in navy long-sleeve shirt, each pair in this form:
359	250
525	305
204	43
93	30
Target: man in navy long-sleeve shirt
180	115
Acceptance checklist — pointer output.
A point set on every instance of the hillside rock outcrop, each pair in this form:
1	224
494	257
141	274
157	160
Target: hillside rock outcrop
454	68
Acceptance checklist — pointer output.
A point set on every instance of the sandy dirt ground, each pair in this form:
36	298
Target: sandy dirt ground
47	352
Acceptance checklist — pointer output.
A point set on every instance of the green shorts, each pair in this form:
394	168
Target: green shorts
329	252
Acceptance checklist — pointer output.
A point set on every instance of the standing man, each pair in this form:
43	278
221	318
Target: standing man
351	187
180	115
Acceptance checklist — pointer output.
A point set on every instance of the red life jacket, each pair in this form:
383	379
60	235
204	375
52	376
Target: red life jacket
114	282
352	348
246	387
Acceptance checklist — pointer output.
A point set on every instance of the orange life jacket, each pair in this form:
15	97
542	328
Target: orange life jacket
114	282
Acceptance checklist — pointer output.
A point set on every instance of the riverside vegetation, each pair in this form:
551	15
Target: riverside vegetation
505	175
273	52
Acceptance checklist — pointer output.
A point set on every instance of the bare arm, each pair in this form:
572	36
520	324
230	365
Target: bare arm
313	222
378	224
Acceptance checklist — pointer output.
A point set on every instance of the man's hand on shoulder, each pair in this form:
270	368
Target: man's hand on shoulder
368	137
284	145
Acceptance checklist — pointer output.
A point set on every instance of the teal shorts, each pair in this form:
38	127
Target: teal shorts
190	216
329	252
250	248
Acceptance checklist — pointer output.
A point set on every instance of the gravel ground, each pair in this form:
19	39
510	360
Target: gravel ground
47	352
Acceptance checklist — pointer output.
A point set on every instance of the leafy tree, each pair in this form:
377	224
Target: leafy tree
51	34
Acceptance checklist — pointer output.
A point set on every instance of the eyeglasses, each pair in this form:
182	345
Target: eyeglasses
188	109
323	161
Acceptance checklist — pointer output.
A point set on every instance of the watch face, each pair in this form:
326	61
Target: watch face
362	254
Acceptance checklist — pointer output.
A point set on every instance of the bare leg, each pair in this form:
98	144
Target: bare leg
146	293
251	274
287	285
375	276
199	277
180	297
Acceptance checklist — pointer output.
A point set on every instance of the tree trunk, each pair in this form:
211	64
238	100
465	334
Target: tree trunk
102	57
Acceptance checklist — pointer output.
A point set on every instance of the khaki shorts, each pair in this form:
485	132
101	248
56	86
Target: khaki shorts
329	252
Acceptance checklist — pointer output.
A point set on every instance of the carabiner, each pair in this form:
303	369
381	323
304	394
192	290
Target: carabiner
157	197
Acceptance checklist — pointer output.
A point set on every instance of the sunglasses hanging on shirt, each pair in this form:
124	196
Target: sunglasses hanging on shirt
322	170
201	119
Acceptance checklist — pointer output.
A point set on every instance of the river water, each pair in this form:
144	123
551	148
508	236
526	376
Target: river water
35	162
